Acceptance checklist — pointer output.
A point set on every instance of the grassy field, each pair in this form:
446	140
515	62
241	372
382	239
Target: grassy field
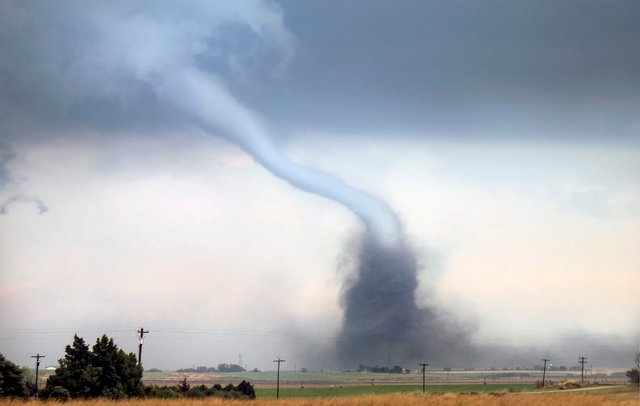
359	390
408	399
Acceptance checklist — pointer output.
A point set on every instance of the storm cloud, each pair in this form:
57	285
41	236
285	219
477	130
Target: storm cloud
469	69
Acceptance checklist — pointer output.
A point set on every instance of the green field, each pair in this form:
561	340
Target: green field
351	390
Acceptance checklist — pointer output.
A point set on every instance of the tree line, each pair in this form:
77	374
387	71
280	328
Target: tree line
221	368
103	370
243	390
396	369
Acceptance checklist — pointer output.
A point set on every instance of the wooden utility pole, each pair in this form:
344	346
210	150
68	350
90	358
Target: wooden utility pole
279	361
424	366
37	357
582	361
544	370
142	332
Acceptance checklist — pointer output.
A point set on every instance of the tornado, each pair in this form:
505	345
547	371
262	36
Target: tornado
173	61
381	319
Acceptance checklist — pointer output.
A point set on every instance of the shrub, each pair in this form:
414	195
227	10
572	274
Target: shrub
162	392
55	393
247	389
244	390
12	383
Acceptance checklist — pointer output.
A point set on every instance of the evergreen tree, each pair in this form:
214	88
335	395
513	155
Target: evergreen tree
119	373
105	371
75	373
11	380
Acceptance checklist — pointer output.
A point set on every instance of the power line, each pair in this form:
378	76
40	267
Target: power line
544	370
279	361
142	332
37	357
582	361
424	366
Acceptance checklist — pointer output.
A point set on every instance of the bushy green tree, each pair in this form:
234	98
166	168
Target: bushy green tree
75	373
119	373
12	382
105	371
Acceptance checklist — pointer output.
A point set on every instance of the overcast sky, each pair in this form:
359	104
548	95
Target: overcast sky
505	135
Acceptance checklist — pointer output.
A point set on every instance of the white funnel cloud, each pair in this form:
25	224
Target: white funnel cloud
205	100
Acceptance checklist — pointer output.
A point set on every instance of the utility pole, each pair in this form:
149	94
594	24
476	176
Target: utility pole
582	361
142	332
544	370
37	357
424	366
279	361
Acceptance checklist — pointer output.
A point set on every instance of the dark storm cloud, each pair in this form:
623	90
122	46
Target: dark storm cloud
70	63
44	80
479	67
475	68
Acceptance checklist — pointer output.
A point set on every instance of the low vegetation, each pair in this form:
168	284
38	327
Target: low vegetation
244	390
446	399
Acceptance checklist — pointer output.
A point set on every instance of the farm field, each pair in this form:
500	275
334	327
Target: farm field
291	379
358	390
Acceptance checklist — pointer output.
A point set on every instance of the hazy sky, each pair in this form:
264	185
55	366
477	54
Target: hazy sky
505	135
